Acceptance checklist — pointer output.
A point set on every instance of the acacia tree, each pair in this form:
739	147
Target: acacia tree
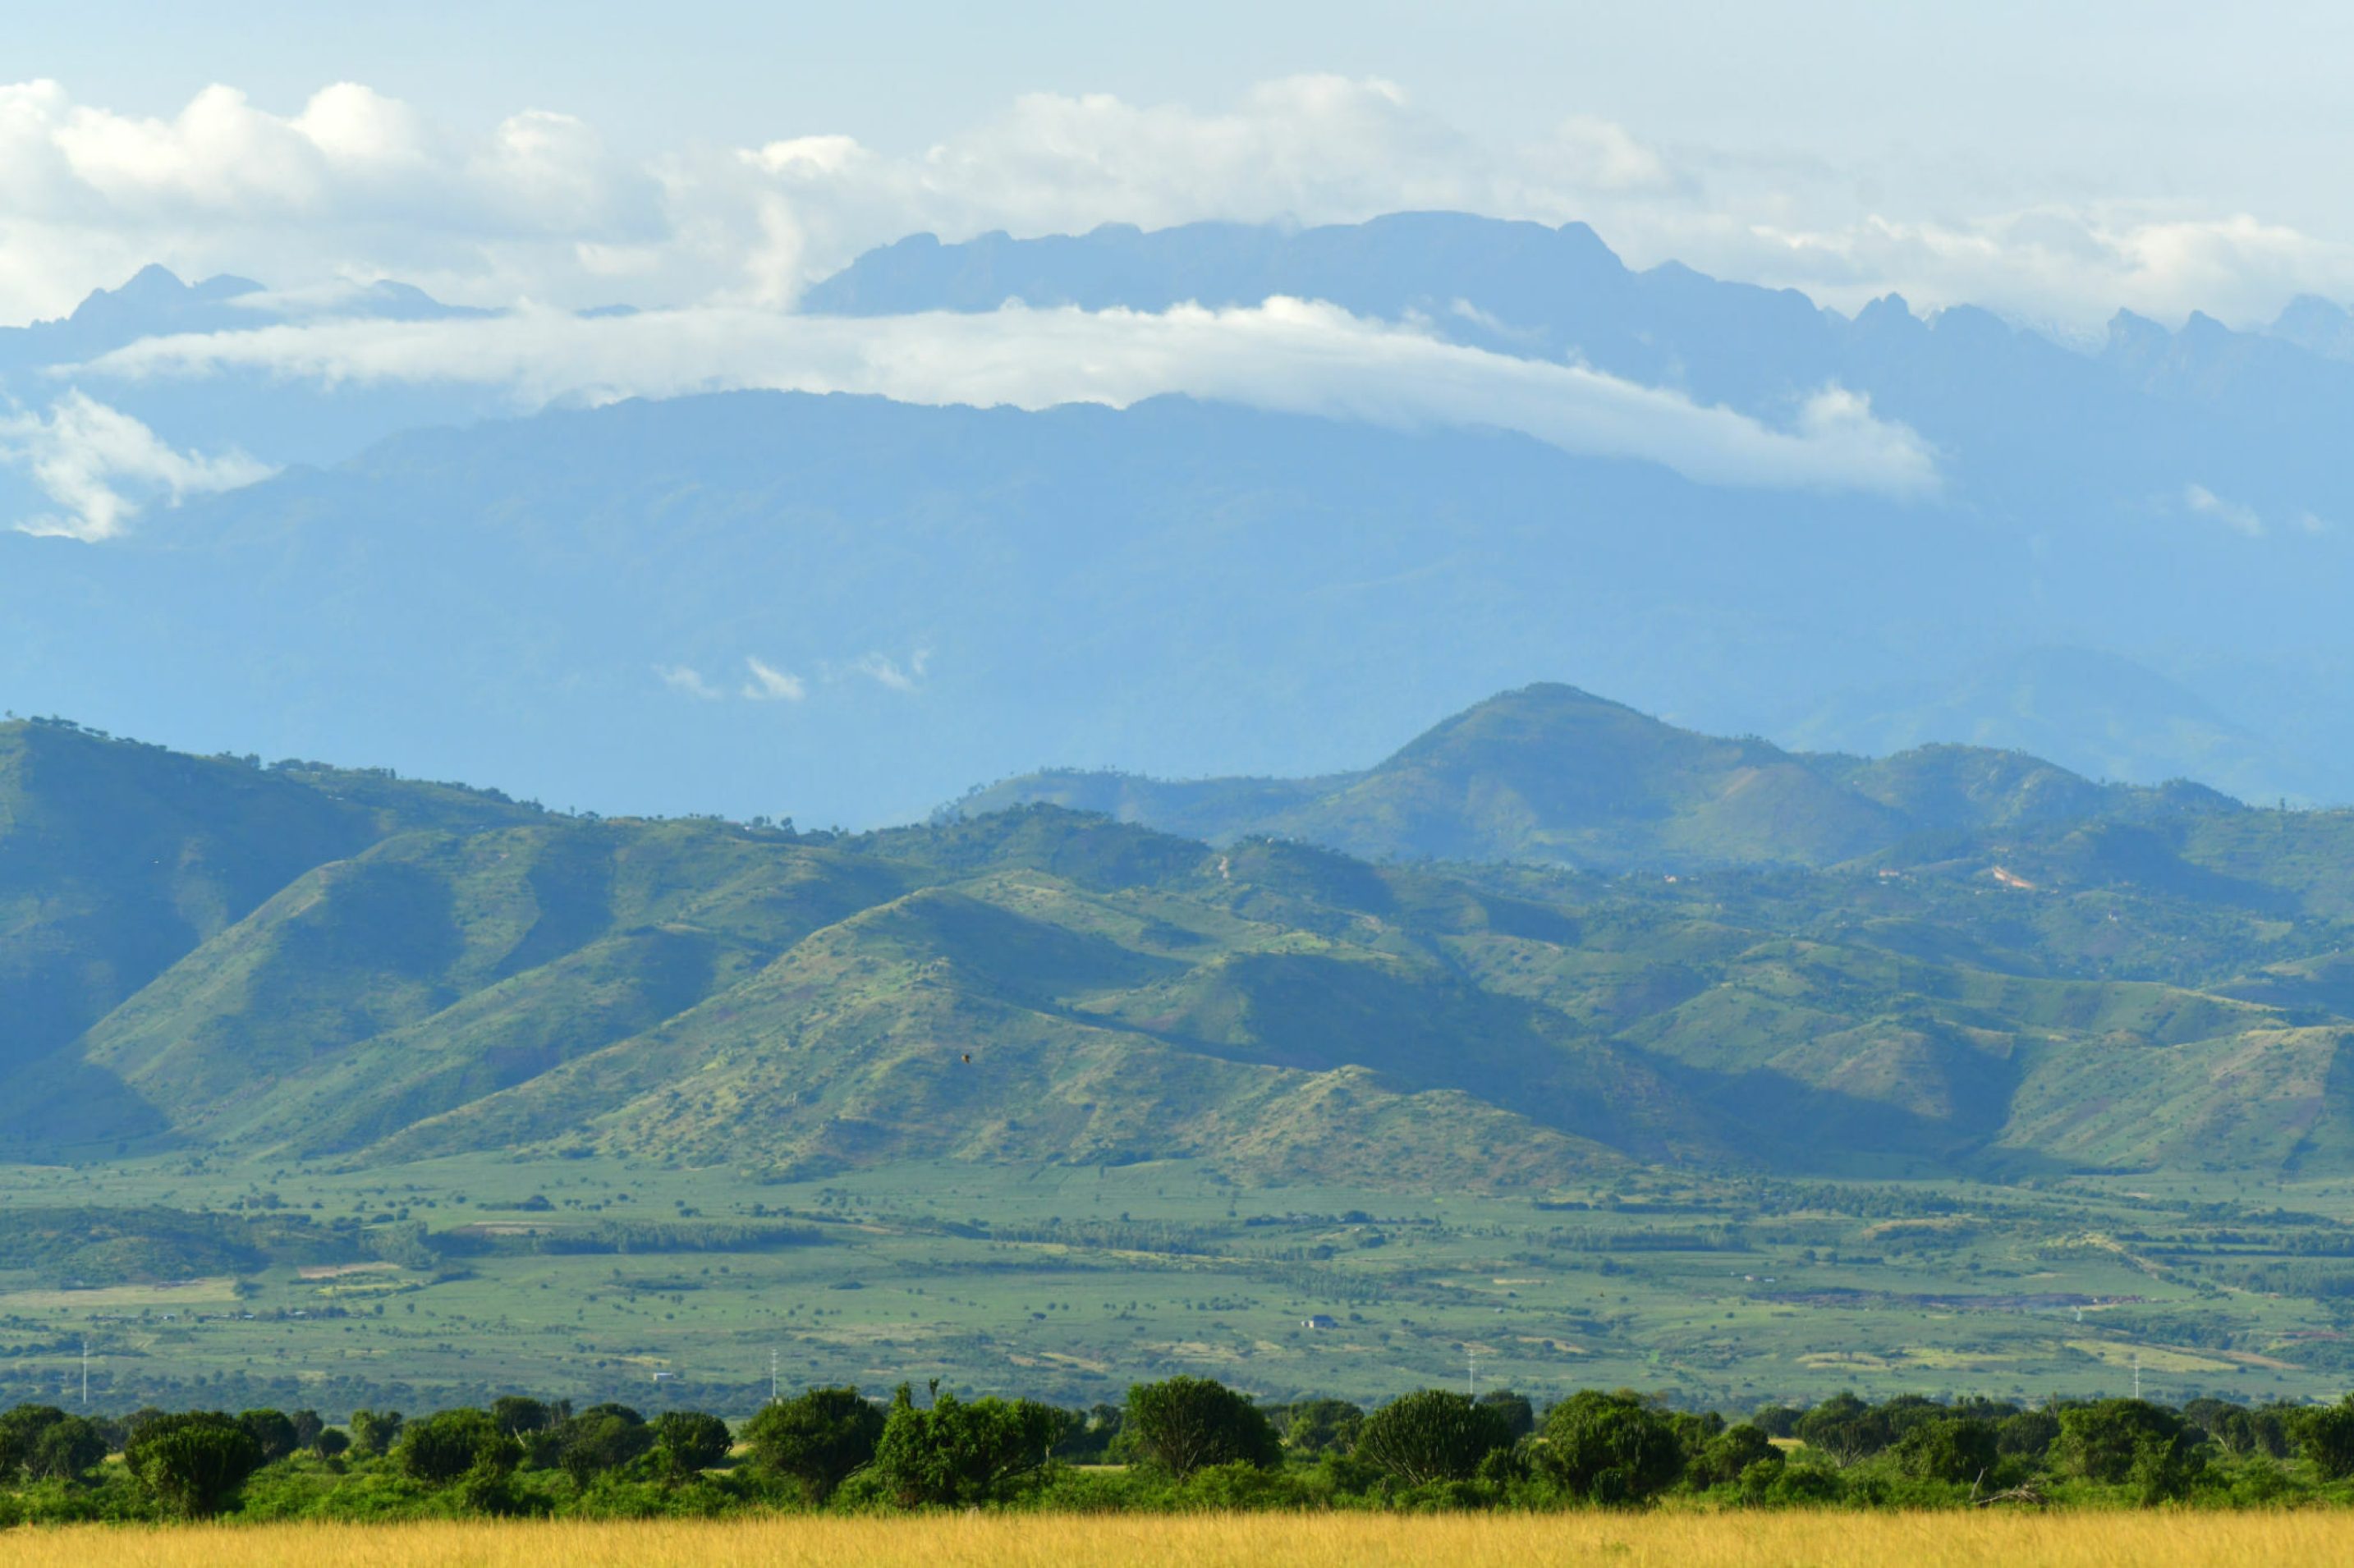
817	1438
1186	1424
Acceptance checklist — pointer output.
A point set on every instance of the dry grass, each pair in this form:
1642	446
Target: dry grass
1667	1540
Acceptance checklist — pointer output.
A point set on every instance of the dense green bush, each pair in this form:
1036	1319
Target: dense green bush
1197	1445
2104	1441
439	1449
1186	1424
273	1431
1434	1434
817	1439
600	1440
1610	1447
955	1452
1732	1455
374	1432
1846	1429
2326	1436
193	1464
42	1443
1318	1425
1957	1449
688	1442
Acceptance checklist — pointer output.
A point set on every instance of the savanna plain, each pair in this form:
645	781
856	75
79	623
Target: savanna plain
1704	1539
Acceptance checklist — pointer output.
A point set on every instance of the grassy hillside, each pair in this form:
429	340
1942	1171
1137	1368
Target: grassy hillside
1553	774
348	967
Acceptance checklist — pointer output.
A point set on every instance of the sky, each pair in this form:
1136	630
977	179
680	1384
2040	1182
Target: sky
2055	162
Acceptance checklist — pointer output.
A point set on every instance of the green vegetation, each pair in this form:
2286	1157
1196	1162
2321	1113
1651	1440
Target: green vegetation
442	1096
1433	1449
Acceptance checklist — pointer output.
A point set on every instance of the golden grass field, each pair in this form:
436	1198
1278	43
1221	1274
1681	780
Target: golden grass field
1324	1541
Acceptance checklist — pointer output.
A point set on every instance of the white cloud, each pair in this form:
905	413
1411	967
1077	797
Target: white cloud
101	465
889	672
2240	519
352	185
770	685
682	678
355	185
1284	356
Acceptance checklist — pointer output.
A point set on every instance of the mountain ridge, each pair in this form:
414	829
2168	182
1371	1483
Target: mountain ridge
1553	774
453	973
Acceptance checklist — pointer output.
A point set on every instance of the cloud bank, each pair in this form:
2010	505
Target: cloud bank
355	185
100	466
1284	356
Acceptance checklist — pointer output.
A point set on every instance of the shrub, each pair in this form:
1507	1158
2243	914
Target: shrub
2326	1436
1610	1447
1186	1424
193	1464
1320	1426
18	1428
1520	1415
1845	1428
519	1416
817	1438
2118	1440
374	1432
688	1442
953	1452
439	1449
64	1451
1729	1456
273	1431
1434	1434
599	1441
1950	1448
2030	1433
45	1444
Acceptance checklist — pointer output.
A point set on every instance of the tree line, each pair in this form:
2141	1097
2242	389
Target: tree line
1180	1443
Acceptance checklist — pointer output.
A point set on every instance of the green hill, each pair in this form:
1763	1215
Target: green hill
303	962
1553	774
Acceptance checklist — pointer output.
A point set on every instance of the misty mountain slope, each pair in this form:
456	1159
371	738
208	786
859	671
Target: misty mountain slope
2120	718
938	594
2029	421
2125	992
1553	774
941	595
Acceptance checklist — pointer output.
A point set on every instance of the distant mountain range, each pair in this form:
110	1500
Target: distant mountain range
1554	774
313	962
2133	570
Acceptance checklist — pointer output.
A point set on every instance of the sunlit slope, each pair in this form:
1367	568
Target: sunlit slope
2154	988
117	858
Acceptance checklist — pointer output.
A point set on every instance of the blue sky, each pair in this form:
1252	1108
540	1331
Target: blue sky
2054	161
